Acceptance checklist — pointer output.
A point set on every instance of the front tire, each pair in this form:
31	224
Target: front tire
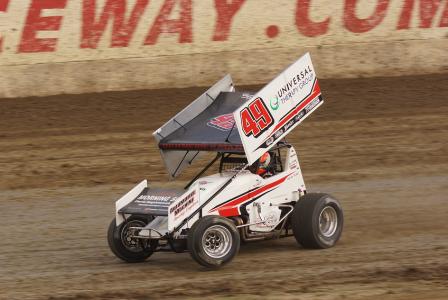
213	241
317	221
129	249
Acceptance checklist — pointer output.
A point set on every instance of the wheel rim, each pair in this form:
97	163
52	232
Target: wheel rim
217	241
129	242
328	221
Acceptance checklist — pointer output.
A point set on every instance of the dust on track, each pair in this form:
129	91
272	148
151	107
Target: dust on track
379	145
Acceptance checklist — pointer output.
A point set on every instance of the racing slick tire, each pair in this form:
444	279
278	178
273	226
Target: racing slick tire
317	221
126	248
213	241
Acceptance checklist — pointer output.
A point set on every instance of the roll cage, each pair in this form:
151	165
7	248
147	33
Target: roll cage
229	161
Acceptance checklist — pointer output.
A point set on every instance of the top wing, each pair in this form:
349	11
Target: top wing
277	108
205	125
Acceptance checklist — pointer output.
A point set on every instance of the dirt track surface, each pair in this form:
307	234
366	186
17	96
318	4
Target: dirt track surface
379	145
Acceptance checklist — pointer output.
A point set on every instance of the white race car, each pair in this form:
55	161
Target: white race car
244	201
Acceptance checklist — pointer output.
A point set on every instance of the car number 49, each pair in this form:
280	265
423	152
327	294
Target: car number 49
256	118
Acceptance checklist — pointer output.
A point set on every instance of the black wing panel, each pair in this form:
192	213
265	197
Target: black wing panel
212	130
152	202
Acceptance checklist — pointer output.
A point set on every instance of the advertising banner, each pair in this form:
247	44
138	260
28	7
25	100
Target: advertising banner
50	47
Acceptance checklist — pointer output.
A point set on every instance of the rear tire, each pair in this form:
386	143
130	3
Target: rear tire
317	221
213	241
126	248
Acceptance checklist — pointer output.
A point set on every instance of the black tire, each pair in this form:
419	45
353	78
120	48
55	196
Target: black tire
132	251
222	237
306	217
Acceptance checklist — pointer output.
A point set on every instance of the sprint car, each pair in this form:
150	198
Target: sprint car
214	213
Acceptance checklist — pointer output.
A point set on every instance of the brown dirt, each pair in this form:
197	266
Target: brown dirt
379	145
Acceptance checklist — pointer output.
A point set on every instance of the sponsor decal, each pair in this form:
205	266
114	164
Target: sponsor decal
155	203
222	122
312	105
184	204
296	83
269	141
299	116
274	103
288	125
154	198
278	133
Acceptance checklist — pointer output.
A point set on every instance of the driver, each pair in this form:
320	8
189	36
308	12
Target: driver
263	165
